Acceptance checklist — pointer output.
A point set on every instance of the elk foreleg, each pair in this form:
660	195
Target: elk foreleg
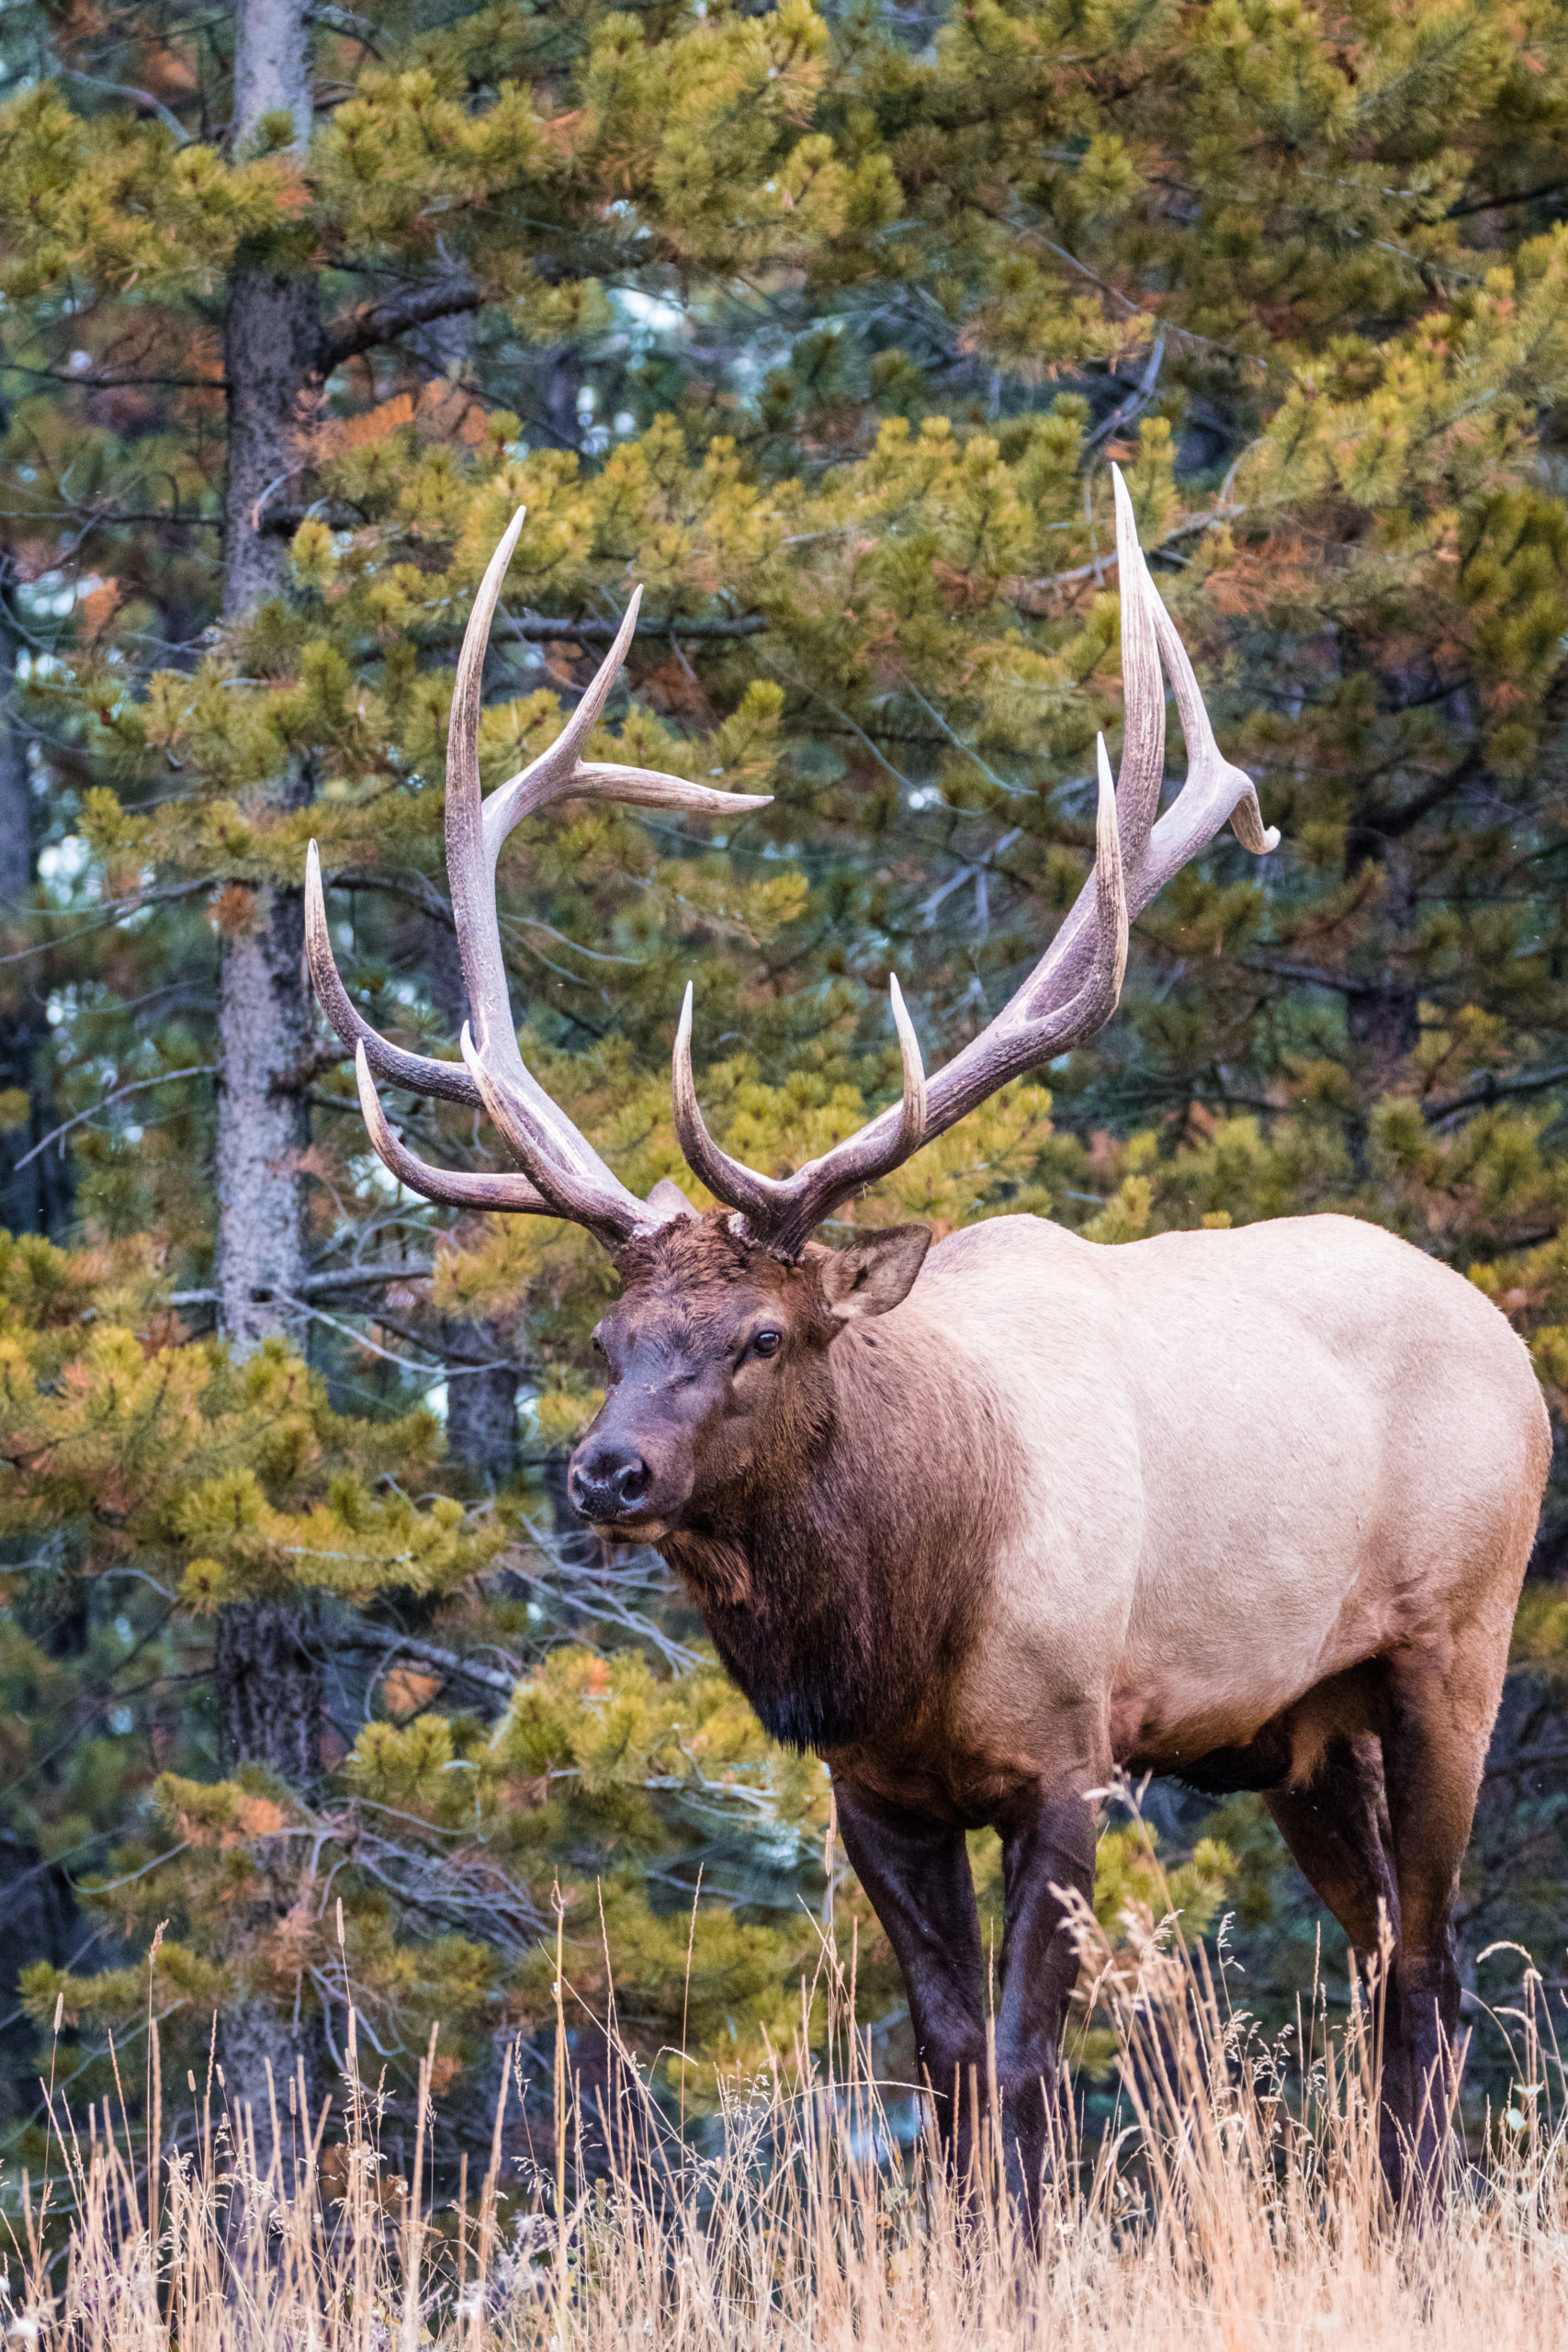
917	1877
1047	1850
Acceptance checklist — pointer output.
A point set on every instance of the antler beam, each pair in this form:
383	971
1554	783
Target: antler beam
562	1174
1074	988
1072	991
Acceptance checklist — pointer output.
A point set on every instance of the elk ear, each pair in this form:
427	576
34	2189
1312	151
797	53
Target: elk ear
874	1274
667	1202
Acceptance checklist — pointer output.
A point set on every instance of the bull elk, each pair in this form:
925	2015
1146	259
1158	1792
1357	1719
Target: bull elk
984	1523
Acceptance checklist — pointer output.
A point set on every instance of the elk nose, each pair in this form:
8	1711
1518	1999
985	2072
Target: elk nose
610	1482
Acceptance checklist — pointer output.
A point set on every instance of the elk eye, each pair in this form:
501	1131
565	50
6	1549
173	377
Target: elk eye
598	1344
767	1343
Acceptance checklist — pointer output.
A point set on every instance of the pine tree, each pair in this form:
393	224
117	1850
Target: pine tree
827	336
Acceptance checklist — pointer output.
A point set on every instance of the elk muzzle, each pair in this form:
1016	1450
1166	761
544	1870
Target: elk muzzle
631	1476
608	1481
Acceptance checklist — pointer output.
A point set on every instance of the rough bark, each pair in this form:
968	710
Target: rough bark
262	1123
270	1710
41	1923
481	1406
268	1684
270	344
268	1680
34	1199
15	788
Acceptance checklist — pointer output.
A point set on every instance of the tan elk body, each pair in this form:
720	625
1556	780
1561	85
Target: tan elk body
1236	1466
982	1524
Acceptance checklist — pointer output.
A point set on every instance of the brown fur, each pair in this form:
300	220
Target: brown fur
839	1622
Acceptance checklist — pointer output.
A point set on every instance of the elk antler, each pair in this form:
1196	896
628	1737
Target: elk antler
1071	992
1073	989
563	1175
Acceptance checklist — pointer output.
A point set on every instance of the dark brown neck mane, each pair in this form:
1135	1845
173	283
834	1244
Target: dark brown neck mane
841	1597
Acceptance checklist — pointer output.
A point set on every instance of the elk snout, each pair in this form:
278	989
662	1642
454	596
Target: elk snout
608	1482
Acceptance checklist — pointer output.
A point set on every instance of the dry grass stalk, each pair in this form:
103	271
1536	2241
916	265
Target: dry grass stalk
1239	2204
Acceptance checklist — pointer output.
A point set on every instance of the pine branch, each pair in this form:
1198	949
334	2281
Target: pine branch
1136	400
384	321
143	99
137	1086
1500	203
1027	595
1491	1089
530	629
533	630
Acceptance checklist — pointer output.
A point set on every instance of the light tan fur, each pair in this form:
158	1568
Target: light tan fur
1260	1458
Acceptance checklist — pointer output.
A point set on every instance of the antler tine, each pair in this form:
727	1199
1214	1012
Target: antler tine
912	1110
1215	789
1143	692
419	1072
565	1176
558	772
1068	958
761	1198
822	1185
566	1194
773	1200
561	1162
544	778
451	1186
1074	990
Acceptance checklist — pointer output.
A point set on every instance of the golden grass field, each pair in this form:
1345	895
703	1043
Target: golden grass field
1240	2206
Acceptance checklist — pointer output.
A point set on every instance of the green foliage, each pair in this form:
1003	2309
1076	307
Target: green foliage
823	329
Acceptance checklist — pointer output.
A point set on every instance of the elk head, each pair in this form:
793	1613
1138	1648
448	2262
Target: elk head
716	1352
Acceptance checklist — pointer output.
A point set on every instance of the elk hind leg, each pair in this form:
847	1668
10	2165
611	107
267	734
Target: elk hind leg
1337	1829
1439	1713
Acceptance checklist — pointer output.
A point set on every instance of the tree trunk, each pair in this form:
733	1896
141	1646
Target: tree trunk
268	1683
270	1698
270	1710
1383	1015
481	1407
270	344
34	1198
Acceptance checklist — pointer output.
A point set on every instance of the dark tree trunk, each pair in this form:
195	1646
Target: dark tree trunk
268	1680
41	1923
1383	1014
34	1198
481	1406
270	1711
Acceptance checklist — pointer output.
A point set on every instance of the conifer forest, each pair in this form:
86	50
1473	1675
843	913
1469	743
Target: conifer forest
319	1709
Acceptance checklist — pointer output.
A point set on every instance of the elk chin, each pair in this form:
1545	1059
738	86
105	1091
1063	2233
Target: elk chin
632	1531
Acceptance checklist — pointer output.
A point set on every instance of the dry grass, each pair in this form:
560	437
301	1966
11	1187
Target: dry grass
1238	2205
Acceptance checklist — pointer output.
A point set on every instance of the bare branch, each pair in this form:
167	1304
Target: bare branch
446	1662
383	321
1490	1089
137	1086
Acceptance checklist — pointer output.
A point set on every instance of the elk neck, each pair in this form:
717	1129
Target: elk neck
842	1590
